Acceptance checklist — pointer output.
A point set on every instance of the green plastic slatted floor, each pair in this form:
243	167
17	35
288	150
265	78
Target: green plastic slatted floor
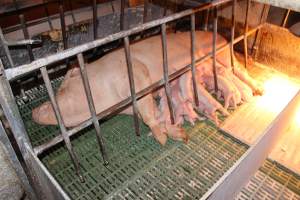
139	168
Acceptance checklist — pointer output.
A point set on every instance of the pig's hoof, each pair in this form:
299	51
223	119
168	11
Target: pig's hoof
258	92
161	138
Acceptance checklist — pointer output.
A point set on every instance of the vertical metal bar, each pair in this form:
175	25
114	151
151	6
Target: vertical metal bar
11	111
60	122
166	72
112	6
87	89
286	17
132	86
145	16
193	59
165	6
232	34
26	36
122	15
95	19
47	14
206	19
6	50
245	34
71	10
16	163
63	24
215	11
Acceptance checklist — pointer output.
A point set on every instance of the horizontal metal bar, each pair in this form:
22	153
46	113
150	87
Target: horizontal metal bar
22	70
22	42
124	103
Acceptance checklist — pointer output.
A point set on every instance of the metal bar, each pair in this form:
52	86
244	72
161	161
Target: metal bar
11	110
24	69
126	102
46	186
196	97
6	50
71	10
88	92
60	122
45	4
26	37
63	24
245	34
145	16
232	34
122	15
166	72
206	19
95	19
286	17
22	42
215	11
16	163
239	174
132	86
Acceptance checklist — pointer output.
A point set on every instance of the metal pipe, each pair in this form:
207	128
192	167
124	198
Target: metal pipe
245	34
126	102
122	15
206	19
45	4
286	17
132	86
6	50
166	72
71	10
95	19
63	24
61	123
24	69
232	34
196	97
215	11
22	42
145	16
26	37
87	89
16	163
11	111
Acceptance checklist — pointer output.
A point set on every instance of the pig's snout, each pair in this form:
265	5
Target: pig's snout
44	114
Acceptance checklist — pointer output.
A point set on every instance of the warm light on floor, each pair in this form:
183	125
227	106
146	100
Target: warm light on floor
279	91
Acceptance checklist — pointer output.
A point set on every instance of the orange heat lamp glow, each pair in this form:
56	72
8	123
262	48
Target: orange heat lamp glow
297	118
279	91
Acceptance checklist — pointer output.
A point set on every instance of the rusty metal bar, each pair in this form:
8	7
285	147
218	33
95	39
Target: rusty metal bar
60	122
95	19
232	34
206	19
245	33
45	4
126	102
196	97
166	72
24	69
122	15
215	13
286	17
132	86
63	24
88	92
6	50
26	36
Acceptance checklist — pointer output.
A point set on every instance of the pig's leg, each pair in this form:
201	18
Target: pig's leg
244	76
